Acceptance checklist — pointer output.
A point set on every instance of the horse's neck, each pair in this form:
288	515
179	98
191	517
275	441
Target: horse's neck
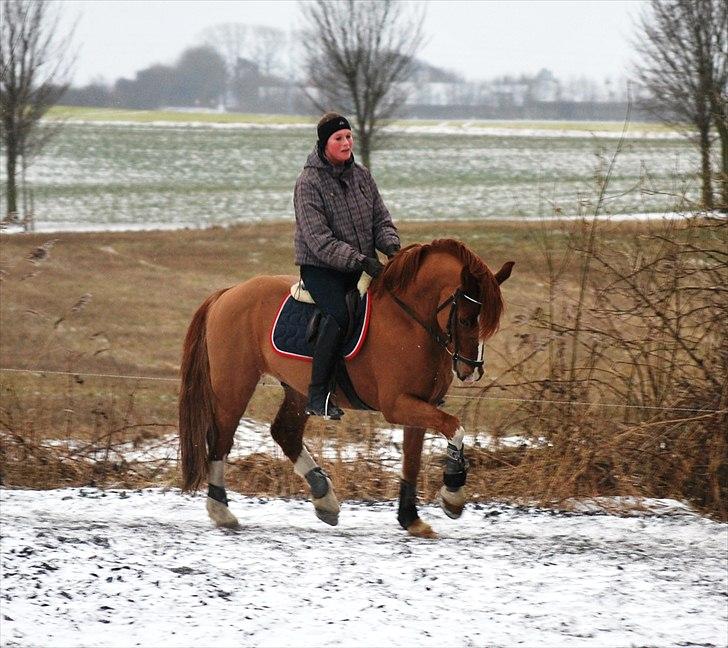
433	283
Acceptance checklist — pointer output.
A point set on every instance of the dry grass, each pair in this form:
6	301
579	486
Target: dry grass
119	303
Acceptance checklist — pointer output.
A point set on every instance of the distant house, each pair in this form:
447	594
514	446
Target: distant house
250	90
506	91
432	85
545	87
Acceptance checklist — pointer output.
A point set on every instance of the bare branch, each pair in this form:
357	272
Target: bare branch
358	56
35	62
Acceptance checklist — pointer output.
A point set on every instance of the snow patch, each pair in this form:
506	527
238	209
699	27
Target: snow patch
84	567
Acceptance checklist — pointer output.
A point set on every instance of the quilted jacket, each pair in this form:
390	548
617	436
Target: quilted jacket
340	216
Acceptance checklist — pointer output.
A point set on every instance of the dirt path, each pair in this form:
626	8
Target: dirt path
84	567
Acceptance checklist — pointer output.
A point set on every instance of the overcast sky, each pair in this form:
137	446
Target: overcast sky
478	38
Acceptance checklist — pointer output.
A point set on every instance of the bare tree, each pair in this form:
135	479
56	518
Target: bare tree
359	54
230	40
34	66
718	19
245	47
267	46
683	66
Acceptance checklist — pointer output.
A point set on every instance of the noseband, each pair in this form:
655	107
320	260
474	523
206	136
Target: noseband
449	335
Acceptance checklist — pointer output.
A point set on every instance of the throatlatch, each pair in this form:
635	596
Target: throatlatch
449	335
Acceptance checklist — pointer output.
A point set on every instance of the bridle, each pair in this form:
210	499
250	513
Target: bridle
449	335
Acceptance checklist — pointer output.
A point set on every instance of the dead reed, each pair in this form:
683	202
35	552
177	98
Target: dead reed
611	360
625	386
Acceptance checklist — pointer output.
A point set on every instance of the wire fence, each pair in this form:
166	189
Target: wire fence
480	397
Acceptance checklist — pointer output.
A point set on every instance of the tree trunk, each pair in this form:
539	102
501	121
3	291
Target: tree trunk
11	151
365	146
721	125
706	168
723	176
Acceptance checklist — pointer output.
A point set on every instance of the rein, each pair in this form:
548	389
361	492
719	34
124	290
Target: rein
446	338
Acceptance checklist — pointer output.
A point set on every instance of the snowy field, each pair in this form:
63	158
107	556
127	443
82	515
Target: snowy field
83	567
133	175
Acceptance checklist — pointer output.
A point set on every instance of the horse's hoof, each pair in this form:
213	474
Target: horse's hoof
452	503
327	516
421	529
221	515
327	507
452	513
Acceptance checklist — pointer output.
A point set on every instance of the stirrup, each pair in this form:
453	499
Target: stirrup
329	410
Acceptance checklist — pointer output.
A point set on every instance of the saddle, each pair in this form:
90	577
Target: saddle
295	330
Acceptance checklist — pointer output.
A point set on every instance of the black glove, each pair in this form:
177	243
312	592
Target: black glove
372	266
391	250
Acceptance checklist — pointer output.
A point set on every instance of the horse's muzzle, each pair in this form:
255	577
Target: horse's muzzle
472	377
476	367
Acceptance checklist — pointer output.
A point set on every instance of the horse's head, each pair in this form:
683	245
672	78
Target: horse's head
467	294
474	315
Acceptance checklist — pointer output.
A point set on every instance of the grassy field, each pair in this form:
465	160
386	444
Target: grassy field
119	303
608	328
109	169
80	113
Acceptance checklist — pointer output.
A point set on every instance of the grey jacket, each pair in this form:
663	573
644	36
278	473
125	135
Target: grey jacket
340	216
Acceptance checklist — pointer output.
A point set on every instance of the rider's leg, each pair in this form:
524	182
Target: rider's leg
328	289
325	356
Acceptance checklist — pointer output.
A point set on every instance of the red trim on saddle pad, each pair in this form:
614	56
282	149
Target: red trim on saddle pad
350	356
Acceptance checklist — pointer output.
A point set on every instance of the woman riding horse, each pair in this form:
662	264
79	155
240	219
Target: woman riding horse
432	307
341	221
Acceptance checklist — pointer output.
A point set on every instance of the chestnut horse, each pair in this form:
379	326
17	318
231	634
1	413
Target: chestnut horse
432	306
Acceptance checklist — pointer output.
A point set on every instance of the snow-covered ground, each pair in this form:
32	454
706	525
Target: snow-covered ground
59	227
84	567
483	127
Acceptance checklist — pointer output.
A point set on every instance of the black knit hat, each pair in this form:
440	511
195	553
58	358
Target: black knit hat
327	128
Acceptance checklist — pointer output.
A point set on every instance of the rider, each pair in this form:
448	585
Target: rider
341	221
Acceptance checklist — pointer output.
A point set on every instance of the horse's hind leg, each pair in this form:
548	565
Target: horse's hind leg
287	430
226	421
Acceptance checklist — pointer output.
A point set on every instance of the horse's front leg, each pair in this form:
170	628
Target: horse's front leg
452	494
411	460
411	411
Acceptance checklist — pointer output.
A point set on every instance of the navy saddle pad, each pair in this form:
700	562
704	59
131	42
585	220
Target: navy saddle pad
288	334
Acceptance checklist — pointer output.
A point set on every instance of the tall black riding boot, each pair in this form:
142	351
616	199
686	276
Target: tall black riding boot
325	356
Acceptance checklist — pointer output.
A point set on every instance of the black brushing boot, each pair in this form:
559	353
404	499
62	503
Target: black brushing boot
325	357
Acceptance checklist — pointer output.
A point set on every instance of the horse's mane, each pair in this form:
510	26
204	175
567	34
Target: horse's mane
400	272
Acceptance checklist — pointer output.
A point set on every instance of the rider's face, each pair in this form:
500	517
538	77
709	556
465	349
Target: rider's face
339	146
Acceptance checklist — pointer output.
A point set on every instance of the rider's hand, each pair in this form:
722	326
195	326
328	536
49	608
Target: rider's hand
372	266
391	251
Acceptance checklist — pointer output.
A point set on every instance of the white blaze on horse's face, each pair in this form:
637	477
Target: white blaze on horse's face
469	344
475	372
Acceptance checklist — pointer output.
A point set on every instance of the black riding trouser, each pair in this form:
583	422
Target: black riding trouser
328	288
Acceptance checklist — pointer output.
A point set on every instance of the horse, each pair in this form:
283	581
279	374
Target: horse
432	308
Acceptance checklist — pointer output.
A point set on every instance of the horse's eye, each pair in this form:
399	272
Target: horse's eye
466	322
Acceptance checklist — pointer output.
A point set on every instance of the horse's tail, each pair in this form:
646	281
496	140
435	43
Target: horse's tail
196	411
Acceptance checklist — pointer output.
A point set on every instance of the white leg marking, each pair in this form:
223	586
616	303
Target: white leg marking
457	439
221	515
304	463
456	499
218	512
328	502
216	474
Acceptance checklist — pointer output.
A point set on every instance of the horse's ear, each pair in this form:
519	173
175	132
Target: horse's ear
504	272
